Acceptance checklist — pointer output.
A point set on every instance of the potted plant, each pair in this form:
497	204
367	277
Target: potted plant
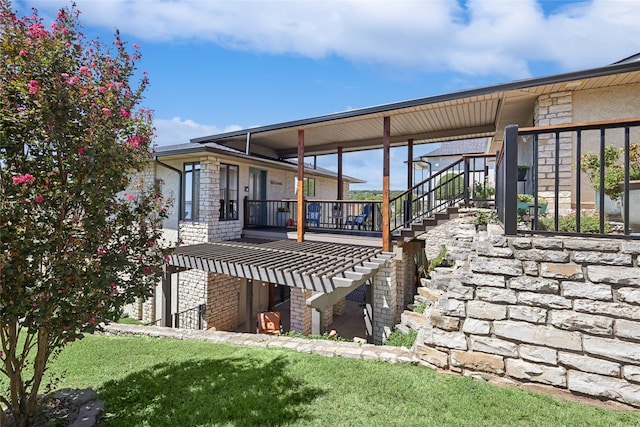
525	201
282	216
613	185
522	172
482	193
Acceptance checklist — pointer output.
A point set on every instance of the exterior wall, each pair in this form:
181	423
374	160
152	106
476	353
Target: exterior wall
555	109
604	104
581	106
563	312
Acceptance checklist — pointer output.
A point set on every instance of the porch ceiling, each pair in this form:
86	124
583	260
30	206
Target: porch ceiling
316	266
468	114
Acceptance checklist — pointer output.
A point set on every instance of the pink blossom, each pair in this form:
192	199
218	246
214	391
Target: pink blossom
21	179
102	89
65	75
33	86
131	197
125	113
150	243
23	52
146	270
81	151
106	111
92	320
136	46
38	199
84	70
101	251
61	15
123	248
74	79
110	85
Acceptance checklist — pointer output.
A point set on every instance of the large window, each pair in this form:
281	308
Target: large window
308	187
228	192
191	192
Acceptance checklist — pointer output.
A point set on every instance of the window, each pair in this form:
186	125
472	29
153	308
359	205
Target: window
191	192
308	186
228	192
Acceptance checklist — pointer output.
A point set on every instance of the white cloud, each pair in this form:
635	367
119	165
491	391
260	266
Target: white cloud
178	131
476	37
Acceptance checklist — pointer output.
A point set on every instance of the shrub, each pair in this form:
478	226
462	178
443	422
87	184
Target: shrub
589	223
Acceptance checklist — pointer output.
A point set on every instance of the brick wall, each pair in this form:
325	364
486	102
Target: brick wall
300	313
558	311
223	300
385	310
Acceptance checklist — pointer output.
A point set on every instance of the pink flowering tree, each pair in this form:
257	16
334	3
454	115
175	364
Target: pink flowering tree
79	227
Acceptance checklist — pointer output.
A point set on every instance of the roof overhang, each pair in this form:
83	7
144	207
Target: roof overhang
467	114
316	266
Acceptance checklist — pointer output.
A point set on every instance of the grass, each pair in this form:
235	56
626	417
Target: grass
159	382
399	339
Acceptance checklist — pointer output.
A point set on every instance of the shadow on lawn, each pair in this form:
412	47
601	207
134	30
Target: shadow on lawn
241	392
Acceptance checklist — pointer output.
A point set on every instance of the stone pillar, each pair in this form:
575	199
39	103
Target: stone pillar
300	313
384	301
555	109
339	307
223	301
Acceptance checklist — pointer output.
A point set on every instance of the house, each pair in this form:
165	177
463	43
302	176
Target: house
229	187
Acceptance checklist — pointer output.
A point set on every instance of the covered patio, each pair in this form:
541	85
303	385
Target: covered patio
324	272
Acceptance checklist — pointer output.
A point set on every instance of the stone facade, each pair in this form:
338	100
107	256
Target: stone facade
223	301
558	311
555	109
300	313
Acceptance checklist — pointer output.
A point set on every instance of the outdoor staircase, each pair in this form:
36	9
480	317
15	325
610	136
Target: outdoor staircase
423	225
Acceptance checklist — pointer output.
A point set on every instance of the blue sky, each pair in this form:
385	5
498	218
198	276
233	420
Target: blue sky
216	66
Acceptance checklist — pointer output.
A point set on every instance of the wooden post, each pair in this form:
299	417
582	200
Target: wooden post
386	151
166	298
340	180
301	224
410	163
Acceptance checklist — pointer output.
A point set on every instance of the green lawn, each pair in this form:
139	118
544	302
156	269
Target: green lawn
160	382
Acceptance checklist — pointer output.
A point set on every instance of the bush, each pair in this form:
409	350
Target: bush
589	223
450	186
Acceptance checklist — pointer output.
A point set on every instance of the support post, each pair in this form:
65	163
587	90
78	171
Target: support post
368	311
249	315
317	322
166	298
510	184
386	151
301	224
340	178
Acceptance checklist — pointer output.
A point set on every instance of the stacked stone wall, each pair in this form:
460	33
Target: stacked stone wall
385	300
558	311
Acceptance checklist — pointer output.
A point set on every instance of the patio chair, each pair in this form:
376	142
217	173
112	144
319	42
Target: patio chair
361	219
269	323
313	213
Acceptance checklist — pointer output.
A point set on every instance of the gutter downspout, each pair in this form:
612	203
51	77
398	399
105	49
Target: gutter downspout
179	172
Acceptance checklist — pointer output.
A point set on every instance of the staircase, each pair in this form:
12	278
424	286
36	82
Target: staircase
436	199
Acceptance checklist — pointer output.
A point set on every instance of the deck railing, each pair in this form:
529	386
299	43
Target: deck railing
337	215
469	179
565	200
192	318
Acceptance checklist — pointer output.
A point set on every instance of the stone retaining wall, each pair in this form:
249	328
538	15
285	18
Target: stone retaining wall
558	311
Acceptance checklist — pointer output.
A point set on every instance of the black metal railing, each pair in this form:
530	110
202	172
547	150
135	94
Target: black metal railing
337	215
467	180
569	165
192	318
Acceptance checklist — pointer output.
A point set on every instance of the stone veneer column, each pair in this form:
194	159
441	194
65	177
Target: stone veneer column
384	301
339	307
223	302
555	109
300	313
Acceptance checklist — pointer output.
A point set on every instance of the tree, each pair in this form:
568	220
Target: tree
75	244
